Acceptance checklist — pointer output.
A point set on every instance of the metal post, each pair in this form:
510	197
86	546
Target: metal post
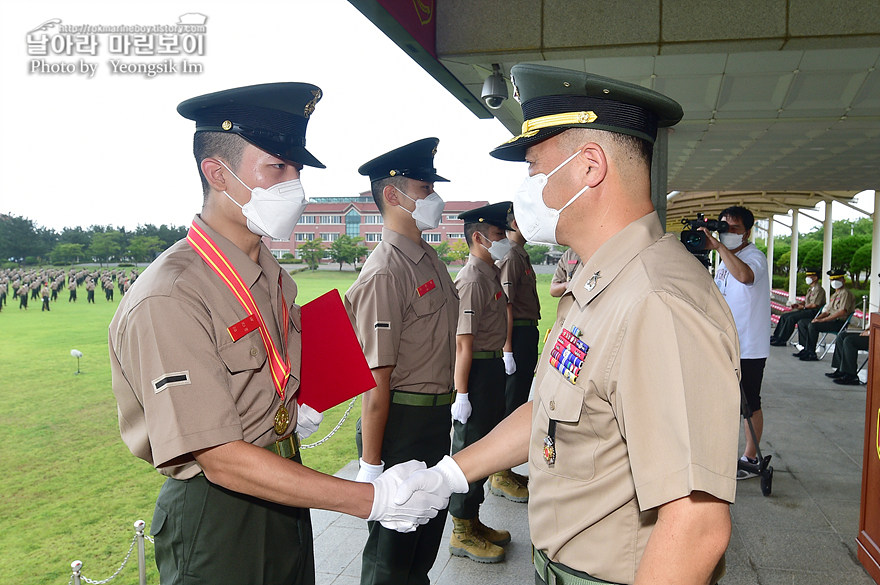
76	567
792	266
142	563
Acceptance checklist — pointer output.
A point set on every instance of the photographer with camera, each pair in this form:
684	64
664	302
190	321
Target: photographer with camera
743	279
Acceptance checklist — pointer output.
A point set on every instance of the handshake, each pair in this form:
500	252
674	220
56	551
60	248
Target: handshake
410	494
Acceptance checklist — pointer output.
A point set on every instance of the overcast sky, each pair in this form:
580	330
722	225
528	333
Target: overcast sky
110	149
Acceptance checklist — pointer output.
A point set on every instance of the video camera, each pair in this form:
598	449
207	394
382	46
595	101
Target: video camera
695	240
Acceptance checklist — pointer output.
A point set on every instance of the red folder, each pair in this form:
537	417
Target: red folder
333	367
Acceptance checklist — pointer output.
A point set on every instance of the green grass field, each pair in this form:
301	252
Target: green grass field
71	489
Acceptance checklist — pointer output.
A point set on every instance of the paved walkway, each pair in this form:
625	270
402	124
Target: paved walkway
802	534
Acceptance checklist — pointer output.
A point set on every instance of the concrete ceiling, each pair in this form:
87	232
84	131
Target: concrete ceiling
779	95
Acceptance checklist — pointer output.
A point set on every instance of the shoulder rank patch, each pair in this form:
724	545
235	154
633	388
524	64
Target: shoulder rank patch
169	380
468	312
382	325
426	288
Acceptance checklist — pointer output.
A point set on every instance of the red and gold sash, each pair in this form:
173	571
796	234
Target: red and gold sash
211	254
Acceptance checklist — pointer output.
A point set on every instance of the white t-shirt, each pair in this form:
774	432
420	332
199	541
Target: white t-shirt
749	303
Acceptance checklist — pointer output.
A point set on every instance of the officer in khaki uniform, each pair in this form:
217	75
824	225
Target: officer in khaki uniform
520	284
813	301
479	370
205	358
632	436
405	307
566	268
834	314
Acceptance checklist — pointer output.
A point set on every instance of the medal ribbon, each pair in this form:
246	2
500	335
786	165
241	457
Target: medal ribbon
211	254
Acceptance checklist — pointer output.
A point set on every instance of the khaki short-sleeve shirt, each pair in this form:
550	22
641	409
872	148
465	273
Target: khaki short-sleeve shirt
568	264
653	412
841	300
815	296
404	307
483	306
520	283
181	382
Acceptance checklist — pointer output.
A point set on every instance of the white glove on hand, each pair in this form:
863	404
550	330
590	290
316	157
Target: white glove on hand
509	364
461	408
307	420
414	511
368	472
442	480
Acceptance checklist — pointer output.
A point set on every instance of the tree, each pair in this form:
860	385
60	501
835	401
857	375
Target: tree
810	254
861	261
443	250
105	245
66	253
18	238
347	250
145	248
458	251
537	252
311	252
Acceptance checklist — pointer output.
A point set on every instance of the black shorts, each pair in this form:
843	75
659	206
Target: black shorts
751	376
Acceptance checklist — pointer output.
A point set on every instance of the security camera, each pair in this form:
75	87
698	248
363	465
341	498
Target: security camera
494	89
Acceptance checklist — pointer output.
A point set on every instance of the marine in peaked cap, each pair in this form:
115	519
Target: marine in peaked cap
271	116
554	100
414	161
201	395
493	214
620	400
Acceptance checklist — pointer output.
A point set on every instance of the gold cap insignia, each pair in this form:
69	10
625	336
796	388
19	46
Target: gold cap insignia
310	107
226	125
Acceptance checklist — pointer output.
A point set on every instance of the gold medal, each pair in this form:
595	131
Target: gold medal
282	420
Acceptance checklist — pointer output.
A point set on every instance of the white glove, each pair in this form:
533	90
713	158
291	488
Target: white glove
307	420
368	472
509	364
414	511
461	408
442	480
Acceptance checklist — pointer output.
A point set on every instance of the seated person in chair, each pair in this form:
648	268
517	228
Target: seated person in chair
813	302
830	320
846	352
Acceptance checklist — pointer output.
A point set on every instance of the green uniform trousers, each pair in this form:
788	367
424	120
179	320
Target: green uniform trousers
525	354
391	557
486	395
206	534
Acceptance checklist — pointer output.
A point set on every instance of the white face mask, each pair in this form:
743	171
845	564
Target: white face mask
731	241
498	249
428	211
836	284
810	280
536	221
272	212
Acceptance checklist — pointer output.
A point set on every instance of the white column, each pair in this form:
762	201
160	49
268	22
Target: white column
826	251
770	250
874	296
792	268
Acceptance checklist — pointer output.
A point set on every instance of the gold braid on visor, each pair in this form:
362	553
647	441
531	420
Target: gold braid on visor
587	117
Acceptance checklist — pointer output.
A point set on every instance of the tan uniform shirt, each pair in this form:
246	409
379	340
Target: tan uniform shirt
520	283
653	413
841	300
483	306
404	308
815	296
567	266
181	383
